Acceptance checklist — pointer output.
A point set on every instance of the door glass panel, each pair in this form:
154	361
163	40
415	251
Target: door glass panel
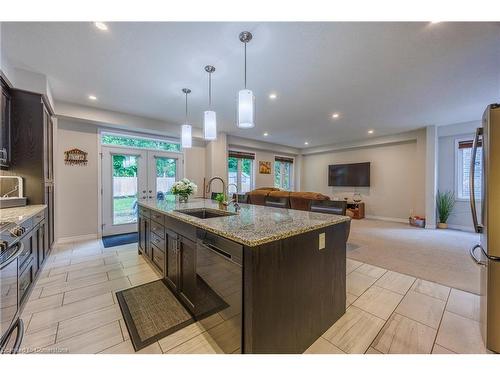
124	189
246	175
166	172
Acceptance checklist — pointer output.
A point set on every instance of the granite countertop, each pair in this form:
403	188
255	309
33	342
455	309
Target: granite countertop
253	225
20	214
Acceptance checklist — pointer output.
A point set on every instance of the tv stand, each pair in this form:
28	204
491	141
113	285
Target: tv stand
357	209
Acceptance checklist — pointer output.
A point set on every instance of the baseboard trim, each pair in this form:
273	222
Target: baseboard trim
385	218
463	228
83	237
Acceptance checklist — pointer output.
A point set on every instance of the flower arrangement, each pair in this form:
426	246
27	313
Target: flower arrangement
184	188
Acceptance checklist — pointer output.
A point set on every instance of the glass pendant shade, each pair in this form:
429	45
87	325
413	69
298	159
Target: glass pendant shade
186	139
246	109
209	125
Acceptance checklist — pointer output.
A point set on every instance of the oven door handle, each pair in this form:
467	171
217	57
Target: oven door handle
13	256
19	325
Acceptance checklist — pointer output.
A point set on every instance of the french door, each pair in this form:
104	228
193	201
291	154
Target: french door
132	175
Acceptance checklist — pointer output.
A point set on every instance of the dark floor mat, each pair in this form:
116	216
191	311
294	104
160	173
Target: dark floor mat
120	239
151	312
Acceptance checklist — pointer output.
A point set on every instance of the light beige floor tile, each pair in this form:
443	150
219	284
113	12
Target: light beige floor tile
422	308
175	339
350	298
48	317
126	347
87	322
396	282
46	281
226	334
143	277
372	271
322	346
460	334
354	331
351	265
431	289
402	335
372	351
122	272
77	274
96	290
358	282
438	349
62	287
378	301
464	304
76	267
130	262
201	344
41	304
92	341
34	342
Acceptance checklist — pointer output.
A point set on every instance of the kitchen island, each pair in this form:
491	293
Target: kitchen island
274	277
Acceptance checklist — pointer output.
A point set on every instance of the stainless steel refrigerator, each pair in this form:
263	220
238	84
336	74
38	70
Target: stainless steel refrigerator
487	252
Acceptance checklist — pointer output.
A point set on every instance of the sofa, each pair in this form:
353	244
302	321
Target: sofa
297	200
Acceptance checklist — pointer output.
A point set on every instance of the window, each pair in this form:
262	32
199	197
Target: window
138	142
283	173
240	171
463	159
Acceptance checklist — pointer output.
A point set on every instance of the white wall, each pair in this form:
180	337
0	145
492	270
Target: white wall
395	179
76	186
195	166
461	216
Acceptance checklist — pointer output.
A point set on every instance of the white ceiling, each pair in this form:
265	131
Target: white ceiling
390	77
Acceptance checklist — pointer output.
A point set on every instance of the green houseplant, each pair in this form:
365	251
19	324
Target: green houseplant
445	203
221	199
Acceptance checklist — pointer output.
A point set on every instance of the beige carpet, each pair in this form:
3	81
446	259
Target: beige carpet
441	256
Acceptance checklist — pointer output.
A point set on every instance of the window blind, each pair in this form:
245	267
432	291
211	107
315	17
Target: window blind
283	159
241	155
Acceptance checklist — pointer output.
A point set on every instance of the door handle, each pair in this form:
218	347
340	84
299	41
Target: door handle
478	228
472	253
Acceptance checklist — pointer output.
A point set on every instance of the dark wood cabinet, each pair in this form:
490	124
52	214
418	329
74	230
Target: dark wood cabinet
32	150
172	259
5	131
188	270
143	230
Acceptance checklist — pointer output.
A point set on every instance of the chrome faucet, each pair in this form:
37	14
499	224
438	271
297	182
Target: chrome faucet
234	200
209	184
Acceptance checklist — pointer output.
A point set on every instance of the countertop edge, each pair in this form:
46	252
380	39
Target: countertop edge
32	211
239	239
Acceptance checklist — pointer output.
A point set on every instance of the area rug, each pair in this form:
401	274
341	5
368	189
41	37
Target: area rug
151	312
437	255
120	239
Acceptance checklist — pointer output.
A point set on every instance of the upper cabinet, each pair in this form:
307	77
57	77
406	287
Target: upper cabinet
5	131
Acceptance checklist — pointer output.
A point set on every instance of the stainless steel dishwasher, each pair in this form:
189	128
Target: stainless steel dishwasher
219	263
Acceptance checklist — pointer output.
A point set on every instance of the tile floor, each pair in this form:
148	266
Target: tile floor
73	309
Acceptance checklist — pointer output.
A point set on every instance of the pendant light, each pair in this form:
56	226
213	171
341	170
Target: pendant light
186	129
209	117
246	99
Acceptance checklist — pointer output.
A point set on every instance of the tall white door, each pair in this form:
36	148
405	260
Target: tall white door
132	175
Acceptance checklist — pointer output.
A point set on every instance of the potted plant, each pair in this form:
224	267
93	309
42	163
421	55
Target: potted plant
221	199
445	203
183	189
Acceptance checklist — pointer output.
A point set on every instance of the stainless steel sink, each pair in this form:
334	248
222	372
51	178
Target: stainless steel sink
205	213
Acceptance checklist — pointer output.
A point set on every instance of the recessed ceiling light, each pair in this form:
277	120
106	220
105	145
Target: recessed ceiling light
434	22
335	115
92	97
101	26
273	96
370	131
265	134
306	143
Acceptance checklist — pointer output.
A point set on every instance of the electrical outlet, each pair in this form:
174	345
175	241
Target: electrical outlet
321	241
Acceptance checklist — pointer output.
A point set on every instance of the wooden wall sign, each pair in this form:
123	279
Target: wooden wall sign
75	157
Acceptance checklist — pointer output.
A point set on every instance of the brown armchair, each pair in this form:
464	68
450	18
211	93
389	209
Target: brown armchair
302	200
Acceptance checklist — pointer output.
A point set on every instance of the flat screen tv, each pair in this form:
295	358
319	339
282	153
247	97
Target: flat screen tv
357	174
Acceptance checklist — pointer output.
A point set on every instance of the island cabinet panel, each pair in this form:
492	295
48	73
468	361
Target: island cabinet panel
143	223
188	271
293	291
172	260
